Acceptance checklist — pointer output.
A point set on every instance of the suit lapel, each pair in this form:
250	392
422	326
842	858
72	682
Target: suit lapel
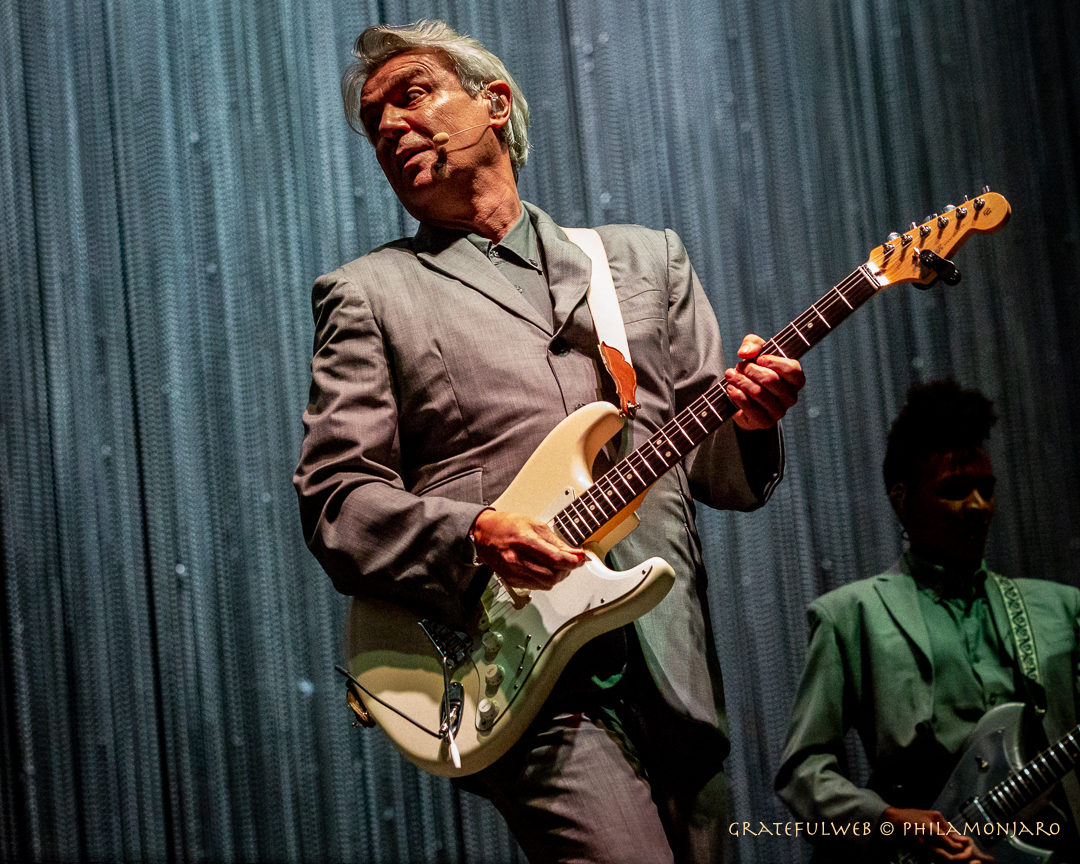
452	254
568	267
901	598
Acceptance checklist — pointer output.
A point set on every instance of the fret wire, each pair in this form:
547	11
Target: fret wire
615	490
660	455
1010	795
710	406
579	517
599	486
699	423
1063	763
594	505
697	410
645	461
785	343
686	435
1060	766
669	442
618	474
589	518
570	530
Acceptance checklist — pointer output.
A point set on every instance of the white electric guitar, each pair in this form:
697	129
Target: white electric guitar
454	701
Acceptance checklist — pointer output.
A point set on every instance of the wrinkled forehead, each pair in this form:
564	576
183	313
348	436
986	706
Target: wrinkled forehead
403	68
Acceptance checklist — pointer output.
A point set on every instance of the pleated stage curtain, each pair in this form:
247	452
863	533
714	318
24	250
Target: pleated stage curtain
173	177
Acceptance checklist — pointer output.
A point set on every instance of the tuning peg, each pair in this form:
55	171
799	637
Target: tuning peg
948	207
965	198
894	236
986	189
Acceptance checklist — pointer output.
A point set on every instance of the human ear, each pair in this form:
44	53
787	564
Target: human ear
499	100
898	497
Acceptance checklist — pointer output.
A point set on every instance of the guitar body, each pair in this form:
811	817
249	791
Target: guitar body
994	751
517	644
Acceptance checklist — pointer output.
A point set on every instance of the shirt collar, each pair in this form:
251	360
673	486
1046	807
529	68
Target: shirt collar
943	581
520	242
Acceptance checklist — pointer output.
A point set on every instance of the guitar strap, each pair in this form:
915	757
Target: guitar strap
1023	641
1028	661
607	319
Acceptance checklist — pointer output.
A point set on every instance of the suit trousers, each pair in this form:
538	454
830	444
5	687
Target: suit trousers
612	775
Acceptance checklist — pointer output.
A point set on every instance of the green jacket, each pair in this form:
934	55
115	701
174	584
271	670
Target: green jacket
869	666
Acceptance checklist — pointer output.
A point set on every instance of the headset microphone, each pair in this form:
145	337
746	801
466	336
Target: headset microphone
441	138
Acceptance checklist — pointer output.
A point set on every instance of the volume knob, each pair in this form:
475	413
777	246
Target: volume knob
493	675
491	641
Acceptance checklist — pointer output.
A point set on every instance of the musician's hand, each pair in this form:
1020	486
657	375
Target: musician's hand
934	835
525	552
762	387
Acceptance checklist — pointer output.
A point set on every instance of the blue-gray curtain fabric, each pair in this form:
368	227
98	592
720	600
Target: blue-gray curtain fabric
174	175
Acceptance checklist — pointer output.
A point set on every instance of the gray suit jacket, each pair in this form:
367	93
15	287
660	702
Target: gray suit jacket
869	665
433	380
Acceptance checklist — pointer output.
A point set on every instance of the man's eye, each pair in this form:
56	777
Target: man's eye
413	94
956	490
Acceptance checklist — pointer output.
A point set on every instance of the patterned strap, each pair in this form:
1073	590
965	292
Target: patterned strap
1023	640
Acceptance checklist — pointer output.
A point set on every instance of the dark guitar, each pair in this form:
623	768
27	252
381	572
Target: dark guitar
992	786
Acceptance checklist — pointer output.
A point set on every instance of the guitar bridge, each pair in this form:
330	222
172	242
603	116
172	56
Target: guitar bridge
451	645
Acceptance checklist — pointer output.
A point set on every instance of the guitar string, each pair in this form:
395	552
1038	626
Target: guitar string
716	403
831	300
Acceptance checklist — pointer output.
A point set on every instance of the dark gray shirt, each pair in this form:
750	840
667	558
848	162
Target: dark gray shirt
519	260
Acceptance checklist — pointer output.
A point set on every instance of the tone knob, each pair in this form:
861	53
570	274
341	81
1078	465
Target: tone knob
493	675
492	641
486	711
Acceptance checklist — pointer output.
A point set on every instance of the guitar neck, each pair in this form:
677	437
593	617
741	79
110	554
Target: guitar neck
634	474
1020	788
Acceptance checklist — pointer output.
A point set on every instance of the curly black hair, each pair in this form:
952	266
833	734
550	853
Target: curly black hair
939	416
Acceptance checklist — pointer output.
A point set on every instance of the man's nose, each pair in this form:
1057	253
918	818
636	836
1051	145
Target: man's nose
392	123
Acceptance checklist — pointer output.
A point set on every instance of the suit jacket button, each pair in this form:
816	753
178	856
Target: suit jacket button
559	347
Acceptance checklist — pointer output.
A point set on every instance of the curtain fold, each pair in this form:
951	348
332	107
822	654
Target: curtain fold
175	175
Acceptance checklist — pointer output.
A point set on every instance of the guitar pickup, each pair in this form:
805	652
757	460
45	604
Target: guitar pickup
944	268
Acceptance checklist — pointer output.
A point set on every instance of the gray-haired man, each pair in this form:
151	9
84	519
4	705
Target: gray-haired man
441	362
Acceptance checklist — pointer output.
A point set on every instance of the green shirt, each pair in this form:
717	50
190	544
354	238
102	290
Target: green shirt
970	676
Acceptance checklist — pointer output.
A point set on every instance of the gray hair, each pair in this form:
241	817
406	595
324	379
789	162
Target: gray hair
474	65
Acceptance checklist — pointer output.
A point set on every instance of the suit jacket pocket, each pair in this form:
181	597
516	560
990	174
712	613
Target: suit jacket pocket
467	486
644	304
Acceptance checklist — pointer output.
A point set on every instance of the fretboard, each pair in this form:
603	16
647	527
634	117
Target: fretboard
1011	795
634	474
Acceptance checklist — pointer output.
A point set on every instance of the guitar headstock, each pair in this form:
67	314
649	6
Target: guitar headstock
902	258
